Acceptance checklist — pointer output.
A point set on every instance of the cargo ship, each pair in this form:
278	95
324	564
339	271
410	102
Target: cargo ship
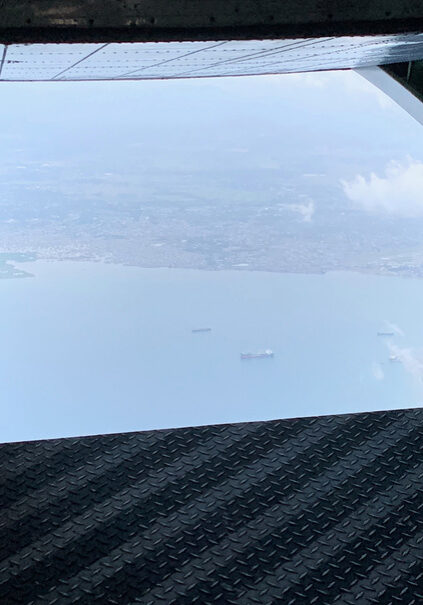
385	334
261	355
196	330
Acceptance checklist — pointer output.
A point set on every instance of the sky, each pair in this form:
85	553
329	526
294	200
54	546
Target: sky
208	124
62	121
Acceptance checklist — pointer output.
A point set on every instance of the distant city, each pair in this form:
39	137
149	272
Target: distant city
251	221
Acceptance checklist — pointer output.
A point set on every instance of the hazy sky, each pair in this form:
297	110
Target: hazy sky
114	120
97	128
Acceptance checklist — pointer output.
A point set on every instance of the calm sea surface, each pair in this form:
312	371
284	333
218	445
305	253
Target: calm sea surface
90	348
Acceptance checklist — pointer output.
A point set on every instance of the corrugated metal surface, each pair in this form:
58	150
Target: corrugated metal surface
197	59
321	510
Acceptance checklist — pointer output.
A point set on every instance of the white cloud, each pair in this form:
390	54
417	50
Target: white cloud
377	371
304	210
410	359
54	164
399	192
391	327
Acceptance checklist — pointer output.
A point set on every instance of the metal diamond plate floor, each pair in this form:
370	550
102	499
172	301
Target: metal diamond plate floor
318	510
153	60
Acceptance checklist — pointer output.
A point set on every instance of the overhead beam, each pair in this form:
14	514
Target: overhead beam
406	95
165	20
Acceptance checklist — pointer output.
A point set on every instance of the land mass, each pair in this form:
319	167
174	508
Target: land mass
251	221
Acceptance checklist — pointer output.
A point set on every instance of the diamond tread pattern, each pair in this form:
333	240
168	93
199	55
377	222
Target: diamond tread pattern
305	511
